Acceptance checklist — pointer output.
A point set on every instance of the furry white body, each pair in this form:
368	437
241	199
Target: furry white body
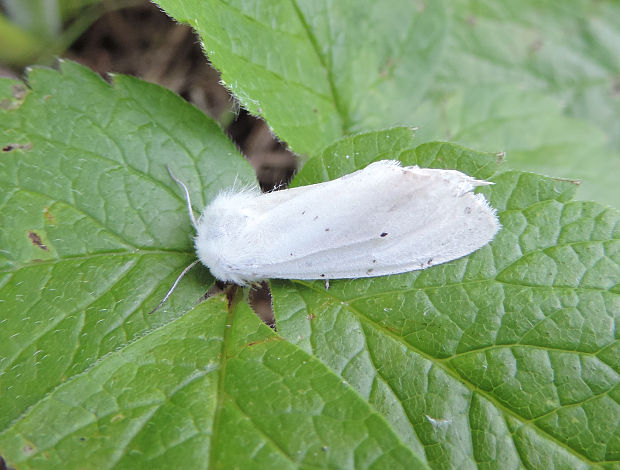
384	219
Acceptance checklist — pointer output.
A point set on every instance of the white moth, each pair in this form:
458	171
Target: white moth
384	219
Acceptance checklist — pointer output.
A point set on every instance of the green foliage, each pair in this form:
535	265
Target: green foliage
38	30
515	342
538	80
507	358
203	389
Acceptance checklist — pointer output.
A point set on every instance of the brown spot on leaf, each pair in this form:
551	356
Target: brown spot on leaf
19	91
262	341
387	67
11	147
35	239
28	450
535	46
48	216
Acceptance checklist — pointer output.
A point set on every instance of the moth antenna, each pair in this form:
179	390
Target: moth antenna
189	202
174	286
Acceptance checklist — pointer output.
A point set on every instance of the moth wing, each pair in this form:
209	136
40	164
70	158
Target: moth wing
384	219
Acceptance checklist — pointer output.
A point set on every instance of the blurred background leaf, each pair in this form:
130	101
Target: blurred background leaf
37	31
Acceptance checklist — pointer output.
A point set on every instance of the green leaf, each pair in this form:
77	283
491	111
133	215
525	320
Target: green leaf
91	221
38	17
515	341
341	81
530	126
350	154
39	30
16	45
505	358
566	49
538	81
214	386
93	231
